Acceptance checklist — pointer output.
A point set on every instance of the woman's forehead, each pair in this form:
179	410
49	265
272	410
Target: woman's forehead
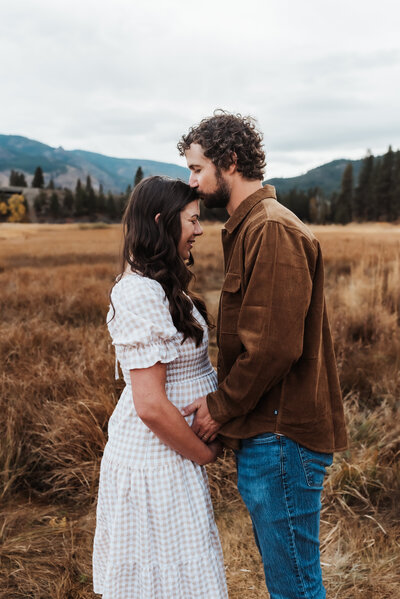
192	209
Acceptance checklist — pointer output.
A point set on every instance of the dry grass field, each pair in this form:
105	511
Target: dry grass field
57	391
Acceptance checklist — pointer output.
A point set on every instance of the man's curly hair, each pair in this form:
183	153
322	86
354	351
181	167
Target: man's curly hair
223	135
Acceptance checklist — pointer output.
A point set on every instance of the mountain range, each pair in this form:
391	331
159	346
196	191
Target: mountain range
115	174
66	166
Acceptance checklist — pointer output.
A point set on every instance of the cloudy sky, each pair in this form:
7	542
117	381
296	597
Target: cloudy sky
127	78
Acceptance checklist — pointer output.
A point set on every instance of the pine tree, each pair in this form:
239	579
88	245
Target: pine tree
332	203
38	179
316	206
364	190
101	200
374	208
384	186
91	203
395	201
344	201
313	209
17	179
50	184
54	208
68	201
79	199
111	207
138	176
121	202
298	201
40	204
37	204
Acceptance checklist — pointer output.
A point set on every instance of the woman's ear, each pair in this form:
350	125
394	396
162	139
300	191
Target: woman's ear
157	217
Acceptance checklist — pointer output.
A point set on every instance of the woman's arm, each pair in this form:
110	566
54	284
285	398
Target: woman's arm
164	419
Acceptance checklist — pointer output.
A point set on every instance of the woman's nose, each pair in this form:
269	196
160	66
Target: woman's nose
198	230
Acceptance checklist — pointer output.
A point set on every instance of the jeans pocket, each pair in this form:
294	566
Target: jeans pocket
314	465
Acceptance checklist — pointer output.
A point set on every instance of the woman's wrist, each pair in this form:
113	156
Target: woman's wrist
208	455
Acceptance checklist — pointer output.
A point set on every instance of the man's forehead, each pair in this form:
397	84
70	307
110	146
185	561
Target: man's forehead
195	155
195	151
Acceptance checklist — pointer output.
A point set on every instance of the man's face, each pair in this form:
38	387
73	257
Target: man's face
207	179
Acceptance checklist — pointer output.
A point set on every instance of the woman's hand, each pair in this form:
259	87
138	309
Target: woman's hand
215	448
164	419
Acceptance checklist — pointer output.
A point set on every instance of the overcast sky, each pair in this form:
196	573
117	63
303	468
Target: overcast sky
127	78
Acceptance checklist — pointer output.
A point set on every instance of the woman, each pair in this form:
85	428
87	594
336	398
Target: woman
156	536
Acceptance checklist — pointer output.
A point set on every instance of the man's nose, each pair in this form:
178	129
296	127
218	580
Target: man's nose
193	180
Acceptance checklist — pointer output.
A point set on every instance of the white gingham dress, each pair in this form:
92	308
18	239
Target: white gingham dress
156	537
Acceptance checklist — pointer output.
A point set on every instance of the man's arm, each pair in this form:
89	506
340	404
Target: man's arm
279	266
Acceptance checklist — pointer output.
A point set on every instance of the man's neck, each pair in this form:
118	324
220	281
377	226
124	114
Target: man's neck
242	189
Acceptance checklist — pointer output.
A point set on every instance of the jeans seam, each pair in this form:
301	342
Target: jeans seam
291	536
307	475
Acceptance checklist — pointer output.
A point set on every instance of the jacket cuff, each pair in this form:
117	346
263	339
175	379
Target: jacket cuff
217	406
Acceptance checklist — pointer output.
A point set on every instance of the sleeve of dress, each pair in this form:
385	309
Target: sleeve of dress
142	329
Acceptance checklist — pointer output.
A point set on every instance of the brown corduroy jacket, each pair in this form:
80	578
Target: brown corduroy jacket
276	364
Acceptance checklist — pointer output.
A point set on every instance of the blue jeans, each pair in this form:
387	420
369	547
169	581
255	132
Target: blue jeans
281	482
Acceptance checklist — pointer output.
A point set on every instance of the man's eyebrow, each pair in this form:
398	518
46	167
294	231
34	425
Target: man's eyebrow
190	166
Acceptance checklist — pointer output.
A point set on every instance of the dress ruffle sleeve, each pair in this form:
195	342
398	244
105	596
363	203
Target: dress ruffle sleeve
142	329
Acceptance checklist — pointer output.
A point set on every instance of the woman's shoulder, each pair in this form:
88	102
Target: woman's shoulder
135	285
139	304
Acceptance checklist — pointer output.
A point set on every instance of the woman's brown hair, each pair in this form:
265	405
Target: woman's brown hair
150	247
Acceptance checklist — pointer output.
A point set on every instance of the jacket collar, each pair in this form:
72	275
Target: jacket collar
268	191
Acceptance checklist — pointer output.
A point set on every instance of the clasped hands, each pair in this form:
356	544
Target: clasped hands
203	425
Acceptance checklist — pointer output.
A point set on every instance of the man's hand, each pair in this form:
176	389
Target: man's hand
203	425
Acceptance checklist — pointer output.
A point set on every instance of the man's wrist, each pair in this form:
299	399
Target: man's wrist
214	402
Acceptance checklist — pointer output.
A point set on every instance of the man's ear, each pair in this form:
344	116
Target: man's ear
157	217
233	166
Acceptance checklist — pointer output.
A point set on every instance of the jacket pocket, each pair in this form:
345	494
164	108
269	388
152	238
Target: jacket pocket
231	301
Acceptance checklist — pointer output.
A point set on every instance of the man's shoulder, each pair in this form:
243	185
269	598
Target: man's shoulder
268	212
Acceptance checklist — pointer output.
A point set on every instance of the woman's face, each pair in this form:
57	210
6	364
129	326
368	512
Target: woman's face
190	228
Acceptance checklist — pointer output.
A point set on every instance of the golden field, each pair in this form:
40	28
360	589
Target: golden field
58	391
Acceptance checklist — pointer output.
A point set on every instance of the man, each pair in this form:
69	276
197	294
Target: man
278	403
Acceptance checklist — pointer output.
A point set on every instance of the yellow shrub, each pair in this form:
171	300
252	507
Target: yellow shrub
16	207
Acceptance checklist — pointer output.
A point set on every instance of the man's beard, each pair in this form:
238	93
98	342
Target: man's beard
220	197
